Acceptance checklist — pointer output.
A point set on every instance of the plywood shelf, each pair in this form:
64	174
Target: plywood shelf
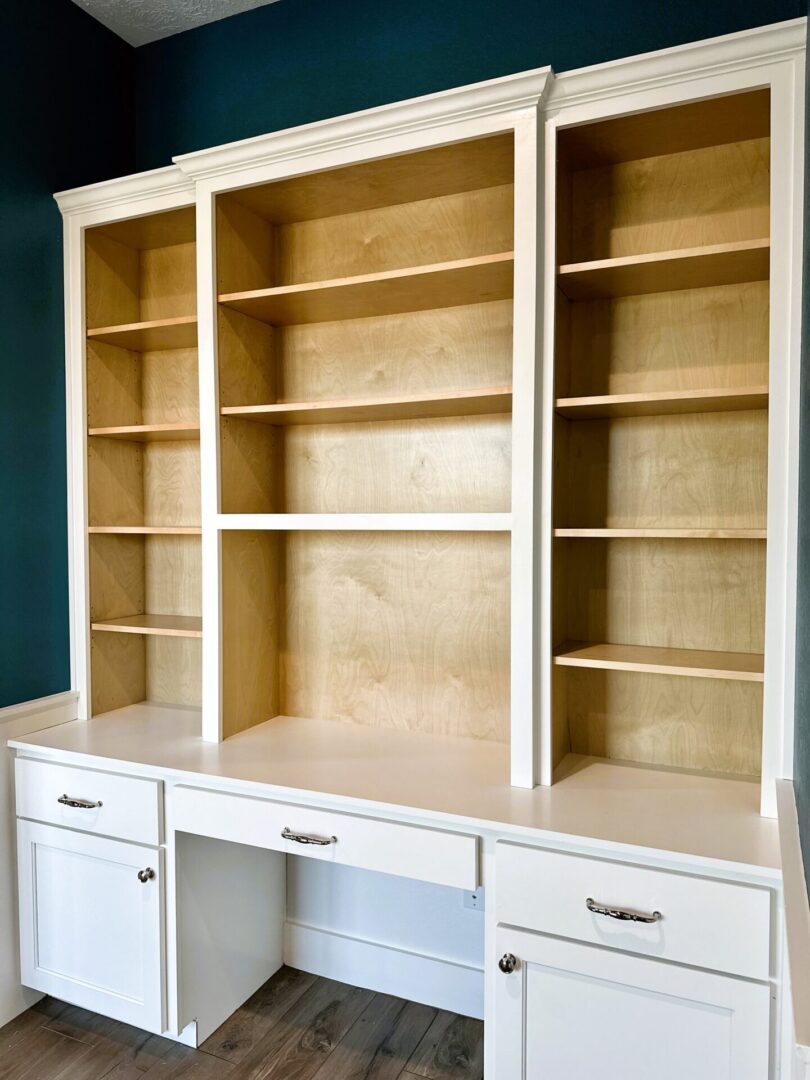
146	530
148	432
667	271
663	403
665	534
151	336
390	292
695	663
188	626
477	402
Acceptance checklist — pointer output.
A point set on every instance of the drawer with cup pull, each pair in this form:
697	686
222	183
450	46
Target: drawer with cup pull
123	807
436	855
720	925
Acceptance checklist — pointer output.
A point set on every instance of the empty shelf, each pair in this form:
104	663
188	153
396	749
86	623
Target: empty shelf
147	530
667	271
152	336
663	403
148	432
189	626
494	399
695	663
666	534
417	288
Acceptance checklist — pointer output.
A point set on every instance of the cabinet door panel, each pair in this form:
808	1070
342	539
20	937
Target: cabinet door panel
572	1010
90	930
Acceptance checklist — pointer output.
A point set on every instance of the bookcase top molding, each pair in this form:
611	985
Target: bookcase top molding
157	184
777	42
510	93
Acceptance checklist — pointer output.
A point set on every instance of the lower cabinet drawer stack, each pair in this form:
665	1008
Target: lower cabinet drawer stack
653	973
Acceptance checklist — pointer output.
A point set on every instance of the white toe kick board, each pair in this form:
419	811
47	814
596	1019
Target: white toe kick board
413	851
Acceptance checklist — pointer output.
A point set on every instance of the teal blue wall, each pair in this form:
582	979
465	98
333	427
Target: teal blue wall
65	119
296	61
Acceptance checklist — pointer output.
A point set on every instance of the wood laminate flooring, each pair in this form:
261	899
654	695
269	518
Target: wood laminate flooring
295	1027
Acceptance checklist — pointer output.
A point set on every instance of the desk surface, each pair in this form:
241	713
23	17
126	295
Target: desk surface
375	770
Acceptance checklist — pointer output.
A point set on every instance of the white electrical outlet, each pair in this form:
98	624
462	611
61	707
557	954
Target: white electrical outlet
474	900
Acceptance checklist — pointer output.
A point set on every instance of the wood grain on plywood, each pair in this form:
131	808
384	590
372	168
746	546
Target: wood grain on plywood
712	195
416	288
246	355
173	668
399	630
113	385
427	174
115	482
117	671
696	663
707	724
471	402
445	229
419	351
246	247
684	340
171	481
170	386
112	281
177	332
252	634
117	576
173	574
704	594
250	468
168	281
684	471
697	267
161	230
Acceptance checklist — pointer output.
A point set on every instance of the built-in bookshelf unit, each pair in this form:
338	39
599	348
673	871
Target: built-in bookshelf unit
661	436
143	461
364	343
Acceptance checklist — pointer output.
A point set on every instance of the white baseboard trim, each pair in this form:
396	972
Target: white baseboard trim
414	976
42	712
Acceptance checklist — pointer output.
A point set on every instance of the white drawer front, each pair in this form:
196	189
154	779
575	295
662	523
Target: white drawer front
710	924
444	858
125	807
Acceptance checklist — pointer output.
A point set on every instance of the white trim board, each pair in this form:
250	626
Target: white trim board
428	980
45	712
797	916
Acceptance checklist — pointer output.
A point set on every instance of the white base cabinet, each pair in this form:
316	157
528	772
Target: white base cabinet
570	1011
91	922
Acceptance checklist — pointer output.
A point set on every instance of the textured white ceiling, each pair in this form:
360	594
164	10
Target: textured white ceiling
141	21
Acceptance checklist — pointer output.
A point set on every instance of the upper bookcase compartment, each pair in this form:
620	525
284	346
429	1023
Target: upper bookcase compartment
651	203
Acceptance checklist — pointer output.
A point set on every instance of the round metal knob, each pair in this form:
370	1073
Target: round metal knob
146	875
507	963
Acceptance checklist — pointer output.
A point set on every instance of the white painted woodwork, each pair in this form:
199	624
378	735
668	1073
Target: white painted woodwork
435	855
575	1010
131	809
90	931
708	924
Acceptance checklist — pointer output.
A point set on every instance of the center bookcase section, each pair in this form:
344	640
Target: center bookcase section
661	437
365	336
393	630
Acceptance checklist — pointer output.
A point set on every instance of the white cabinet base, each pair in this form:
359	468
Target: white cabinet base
91	932
571	1010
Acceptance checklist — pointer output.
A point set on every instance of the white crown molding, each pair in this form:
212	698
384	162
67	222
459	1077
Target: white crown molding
747	48
156	184
524	90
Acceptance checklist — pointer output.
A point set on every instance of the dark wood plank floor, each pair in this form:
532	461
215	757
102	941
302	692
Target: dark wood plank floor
296	1027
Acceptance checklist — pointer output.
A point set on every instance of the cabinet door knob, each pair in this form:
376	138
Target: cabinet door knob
507	963
146	875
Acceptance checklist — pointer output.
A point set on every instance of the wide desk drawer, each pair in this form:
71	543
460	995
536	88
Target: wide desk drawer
705	923
445	858
124	807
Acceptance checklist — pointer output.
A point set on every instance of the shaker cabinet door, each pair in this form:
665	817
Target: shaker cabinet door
91	922
571	1012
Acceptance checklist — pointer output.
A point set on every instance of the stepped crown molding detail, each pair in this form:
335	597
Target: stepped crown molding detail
125	189
508	94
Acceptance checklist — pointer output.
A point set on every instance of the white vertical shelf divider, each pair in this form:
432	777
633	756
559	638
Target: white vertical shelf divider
209	463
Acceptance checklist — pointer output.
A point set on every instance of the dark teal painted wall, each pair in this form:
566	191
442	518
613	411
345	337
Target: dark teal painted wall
65	119
296	61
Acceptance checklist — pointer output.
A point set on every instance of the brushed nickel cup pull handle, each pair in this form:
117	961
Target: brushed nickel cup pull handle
146	875
305	838
80	804
622	913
